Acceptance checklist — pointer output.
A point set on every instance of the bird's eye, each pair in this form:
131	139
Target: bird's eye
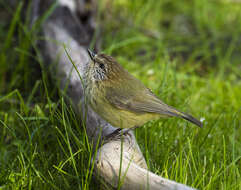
102	66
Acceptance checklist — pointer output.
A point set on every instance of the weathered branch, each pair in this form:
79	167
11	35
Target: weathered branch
65	27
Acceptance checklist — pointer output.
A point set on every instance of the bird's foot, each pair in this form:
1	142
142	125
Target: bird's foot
118	133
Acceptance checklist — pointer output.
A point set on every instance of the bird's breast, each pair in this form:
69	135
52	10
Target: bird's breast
117	117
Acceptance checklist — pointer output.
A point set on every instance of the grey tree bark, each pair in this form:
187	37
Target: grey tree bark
72	26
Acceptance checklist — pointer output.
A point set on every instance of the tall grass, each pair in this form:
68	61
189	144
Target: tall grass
187	52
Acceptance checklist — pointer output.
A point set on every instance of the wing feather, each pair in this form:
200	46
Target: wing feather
140	99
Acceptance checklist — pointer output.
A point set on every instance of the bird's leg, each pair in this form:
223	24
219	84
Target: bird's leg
118	132
113	134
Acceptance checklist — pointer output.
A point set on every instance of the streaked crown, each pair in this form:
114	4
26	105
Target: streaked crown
103	67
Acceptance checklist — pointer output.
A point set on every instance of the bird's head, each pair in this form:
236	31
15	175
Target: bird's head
103	67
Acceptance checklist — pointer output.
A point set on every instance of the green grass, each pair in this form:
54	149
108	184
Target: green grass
187	52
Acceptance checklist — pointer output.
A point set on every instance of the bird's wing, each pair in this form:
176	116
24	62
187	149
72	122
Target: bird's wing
134	96
140	99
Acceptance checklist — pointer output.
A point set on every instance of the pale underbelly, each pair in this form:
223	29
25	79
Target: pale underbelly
120	118
125	119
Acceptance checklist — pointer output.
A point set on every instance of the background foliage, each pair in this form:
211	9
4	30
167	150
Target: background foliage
187	52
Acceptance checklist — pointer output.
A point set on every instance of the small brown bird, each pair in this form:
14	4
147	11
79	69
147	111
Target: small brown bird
120	98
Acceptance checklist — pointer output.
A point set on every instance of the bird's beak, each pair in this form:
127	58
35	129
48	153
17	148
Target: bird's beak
91	54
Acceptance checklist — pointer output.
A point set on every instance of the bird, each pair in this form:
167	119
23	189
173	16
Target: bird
120	98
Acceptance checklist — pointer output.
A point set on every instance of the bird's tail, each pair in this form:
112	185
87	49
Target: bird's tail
174	112
191	119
